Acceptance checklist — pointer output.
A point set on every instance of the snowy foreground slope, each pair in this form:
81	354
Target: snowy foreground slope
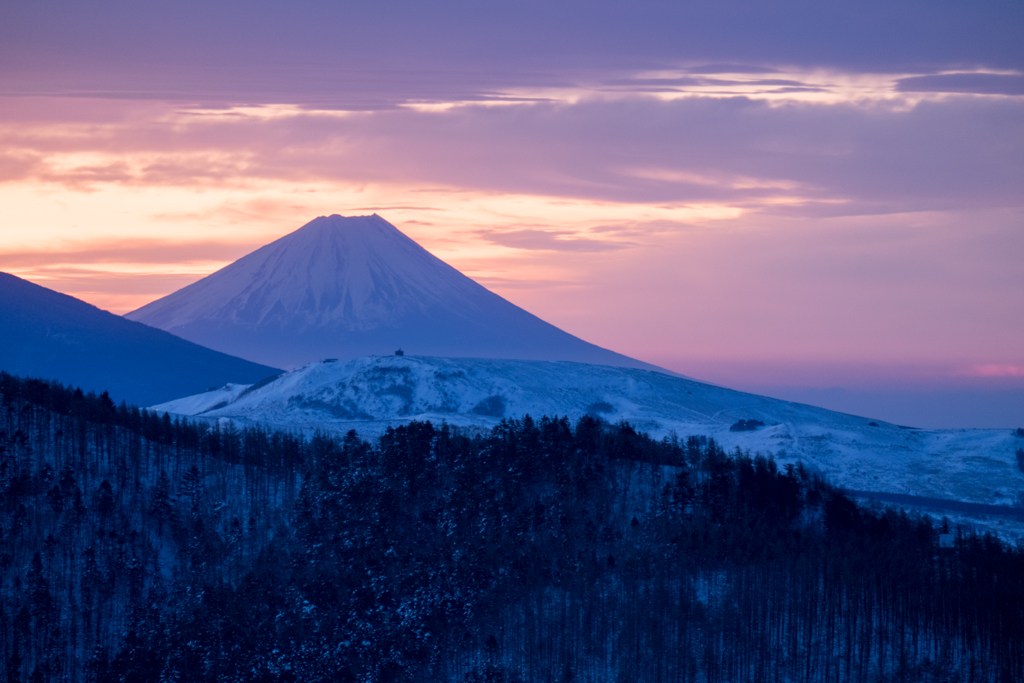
372	393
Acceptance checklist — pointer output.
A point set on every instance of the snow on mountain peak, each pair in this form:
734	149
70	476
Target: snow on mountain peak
349	287
357	273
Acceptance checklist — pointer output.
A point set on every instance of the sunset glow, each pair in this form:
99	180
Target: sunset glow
710	202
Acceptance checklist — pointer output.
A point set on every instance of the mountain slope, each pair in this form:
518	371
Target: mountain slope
351	287
370	394
54	336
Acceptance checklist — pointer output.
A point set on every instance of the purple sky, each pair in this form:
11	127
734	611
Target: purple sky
818	202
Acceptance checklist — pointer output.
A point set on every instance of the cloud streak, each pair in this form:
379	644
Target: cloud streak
733	151
142	251
550	240
971	83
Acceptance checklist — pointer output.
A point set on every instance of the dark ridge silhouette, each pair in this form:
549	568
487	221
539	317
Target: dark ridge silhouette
141	548
47	334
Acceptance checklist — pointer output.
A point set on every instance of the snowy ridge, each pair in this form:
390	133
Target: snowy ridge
350	287
369	394
210	400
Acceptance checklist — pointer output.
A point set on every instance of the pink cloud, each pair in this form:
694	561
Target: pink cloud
142	250
994	370
794	160
550	240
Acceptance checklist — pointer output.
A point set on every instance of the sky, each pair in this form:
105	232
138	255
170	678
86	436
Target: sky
819	201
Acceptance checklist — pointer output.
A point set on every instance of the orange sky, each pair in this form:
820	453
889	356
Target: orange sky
736	204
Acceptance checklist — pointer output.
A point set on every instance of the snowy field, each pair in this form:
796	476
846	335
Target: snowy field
369	394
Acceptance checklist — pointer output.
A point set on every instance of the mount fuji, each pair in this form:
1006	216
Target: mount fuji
351	287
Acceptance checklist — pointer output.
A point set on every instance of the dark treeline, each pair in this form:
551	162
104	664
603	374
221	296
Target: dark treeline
134	547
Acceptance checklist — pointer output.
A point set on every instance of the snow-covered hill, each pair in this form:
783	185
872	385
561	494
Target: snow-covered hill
350	287
369	394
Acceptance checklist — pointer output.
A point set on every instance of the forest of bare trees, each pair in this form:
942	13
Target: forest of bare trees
136	547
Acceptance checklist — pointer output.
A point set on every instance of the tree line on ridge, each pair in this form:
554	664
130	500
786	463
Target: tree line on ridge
137	547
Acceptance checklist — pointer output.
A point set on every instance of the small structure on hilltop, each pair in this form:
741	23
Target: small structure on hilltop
746	426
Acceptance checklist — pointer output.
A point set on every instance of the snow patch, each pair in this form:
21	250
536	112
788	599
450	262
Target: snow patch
372	393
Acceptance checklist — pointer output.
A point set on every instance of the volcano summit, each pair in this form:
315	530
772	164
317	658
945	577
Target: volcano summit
349	287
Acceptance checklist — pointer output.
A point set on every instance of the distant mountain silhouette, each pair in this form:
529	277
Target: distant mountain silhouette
350	287
54	336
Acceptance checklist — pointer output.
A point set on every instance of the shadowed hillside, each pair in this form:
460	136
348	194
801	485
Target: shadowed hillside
137	548
52	335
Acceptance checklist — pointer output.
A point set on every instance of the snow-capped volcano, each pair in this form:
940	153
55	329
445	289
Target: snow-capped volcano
349	287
